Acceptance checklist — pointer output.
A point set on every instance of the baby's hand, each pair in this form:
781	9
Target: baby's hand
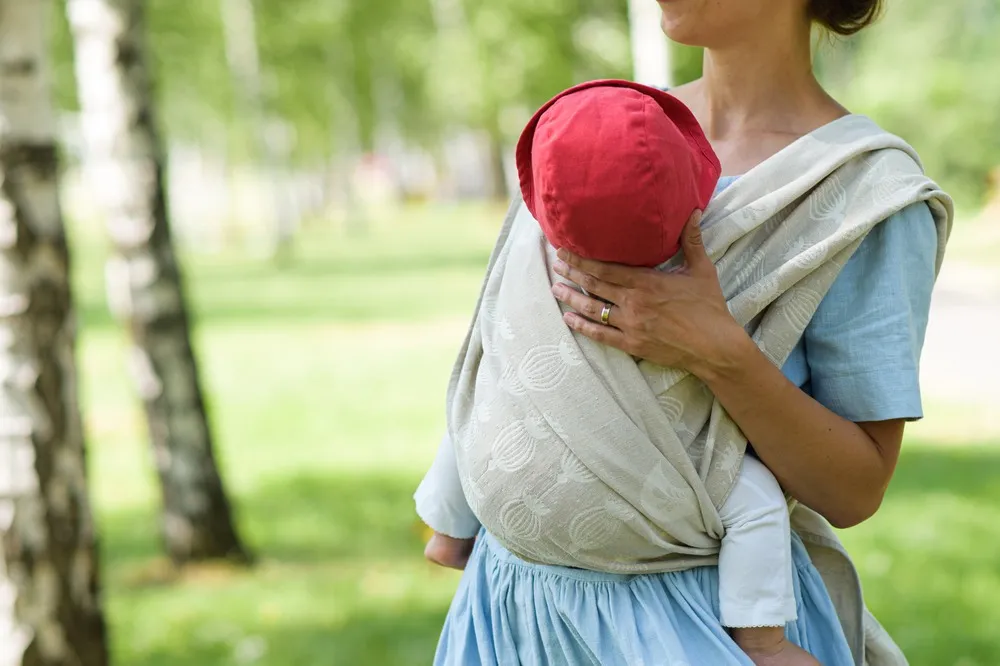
449	552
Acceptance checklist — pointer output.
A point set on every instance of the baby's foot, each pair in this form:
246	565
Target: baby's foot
767	646
448	552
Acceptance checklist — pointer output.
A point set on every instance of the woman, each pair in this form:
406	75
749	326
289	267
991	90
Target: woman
828	423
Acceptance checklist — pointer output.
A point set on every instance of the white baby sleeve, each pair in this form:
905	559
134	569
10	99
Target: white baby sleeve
755	560
440	500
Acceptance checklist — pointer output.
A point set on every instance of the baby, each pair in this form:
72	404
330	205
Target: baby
612	171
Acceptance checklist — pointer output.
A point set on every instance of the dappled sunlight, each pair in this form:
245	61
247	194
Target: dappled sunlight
241	242
324	427
339	554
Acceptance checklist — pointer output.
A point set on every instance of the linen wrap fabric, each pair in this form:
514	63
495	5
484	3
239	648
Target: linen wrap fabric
572	453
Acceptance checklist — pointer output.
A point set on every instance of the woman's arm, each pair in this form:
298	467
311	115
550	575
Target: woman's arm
839	468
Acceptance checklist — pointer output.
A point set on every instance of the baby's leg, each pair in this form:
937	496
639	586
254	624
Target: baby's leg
756	591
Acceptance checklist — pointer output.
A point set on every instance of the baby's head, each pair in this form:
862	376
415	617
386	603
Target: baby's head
612	170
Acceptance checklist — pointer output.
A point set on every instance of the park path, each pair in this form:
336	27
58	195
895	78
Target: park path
961	357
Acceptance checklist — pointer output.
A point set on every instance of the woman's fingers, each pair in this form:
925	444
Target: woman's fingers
696	258
614	274
591	308
607	335
588	282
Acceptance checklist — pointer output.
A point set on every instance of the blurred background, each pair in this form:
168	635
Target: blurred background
334	173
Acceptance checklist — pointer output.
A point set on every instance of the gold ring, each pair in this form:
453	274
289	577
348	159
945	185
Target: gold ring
606	313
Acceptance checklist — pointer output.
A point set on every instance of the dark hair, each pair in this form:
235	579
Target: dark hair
845	17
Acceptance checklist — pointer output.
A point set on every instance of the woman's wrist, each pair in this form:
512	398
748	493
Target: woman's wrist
734	353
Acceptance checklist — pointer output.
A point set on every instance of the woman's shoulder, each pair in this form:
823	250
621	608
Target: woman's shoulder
863	345
900	251
909	236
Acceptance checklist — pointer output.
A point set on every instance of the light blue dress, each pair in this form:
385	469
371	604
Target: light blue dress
859	357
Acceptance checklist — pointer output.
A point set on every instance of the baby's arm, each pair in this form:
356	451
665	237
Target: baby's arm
440	499
442	506
755	560
756	593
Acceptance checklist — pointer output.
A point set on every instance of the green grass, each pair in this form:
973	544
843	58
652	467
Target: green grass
929	557
326	384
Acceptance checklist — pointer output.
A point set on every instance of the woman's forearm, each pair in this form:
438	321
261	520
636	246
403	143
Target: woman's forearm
832	465
838	468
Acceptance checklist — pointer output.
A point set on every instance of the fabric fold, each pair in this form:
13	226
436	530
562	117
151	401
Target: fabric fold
570	453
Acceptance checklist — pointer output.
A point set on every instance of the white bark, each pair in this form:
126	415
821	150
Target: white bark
50	611
125	157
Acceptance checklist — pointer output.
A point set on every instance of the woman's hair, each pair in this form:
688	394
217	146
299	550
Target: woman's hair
845	17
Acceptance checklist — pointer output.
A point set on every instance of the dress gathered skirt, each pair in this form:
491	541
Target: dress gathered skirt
509	612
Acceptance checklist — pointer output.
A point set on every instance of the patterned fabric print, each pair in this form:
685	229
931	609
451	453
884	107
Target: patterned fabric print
573	454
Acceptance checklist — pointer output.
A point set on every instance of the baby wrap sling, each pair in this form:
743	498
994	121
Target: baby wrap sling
572	453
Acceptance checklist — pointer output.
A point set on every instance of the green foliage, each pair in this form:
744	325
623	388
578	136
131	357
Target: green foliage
686	63
63	79
929	72
498	61
188	67
342	73
339	71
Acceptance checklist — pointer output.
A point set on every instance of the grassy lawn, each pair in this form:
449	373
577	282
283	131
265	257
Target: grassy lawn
326	384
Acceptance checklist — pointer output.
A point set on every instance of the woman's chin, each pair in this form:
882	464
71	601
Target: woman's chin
678	34
705	23
677	27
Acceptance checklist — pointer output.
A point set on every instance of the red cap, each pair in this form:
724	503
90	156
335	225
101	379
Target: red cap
612	170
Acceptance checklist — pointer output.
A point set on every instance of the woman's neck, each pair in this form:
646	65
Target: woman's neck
762	86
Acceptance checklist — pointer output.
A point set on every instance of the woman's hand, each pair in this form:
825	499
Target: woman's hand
677	319
839	468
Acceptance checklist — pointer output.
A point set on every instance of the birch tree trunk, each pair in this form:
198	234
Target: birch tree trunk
126	160
50	610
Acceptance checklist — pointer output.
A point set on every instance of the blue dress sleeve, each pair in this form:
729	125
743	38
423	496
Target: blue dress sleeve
863	345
